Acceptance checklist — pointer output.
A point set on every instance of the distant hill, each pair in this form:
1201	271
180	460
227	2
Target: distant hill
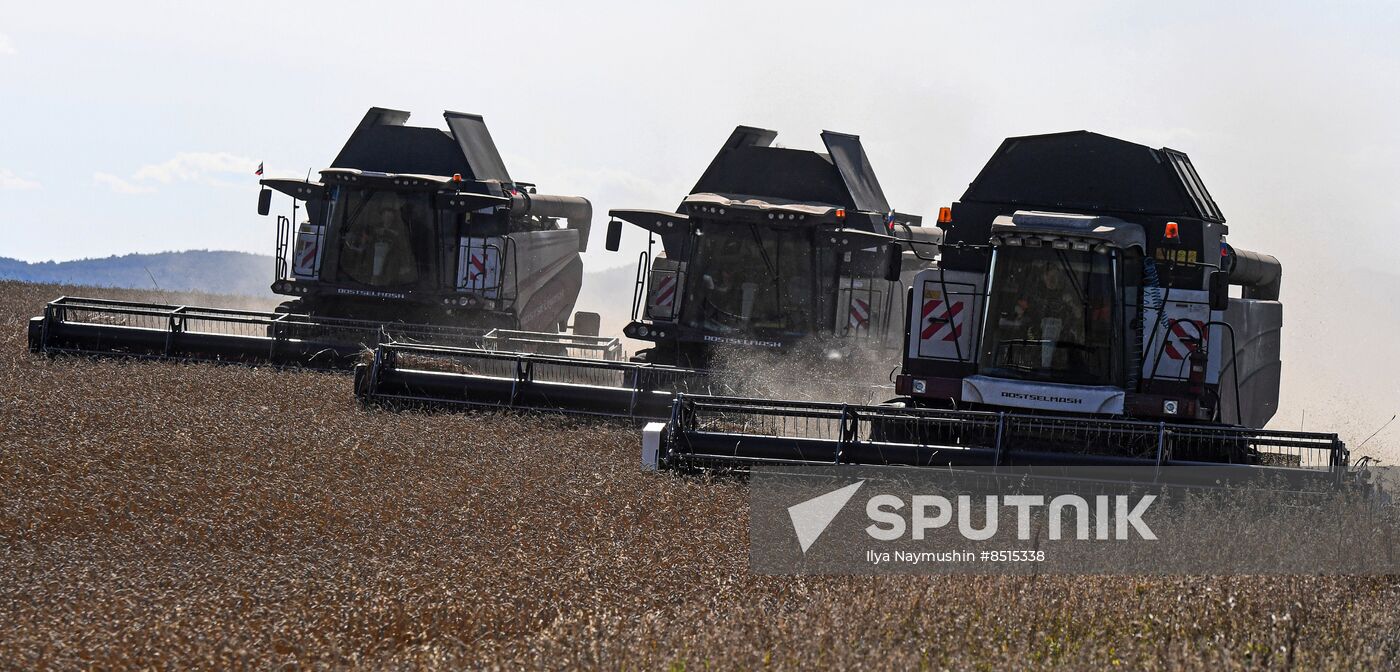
219	272
189	271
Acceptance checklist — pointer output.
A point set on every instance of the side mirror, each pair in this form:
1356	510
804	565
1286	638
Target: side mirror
614	241
1219	290
894	263
264	201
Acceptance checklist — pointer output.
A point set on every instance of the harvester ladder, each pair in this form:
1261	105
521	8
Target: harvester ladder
284	235
639	286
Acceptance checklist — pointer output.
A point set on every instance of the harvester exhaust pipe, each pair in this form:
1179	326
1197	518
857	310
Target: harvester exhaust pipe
1261	275
576	209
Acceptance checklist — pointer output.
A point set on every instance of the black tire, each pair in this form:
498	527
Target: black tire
290	331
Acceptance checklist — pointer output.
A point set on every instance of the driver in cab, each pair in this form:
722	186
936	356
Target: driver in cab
381	253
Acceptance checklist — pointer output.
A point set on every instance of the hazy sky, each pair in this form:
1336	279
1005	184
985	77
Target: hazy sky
138	129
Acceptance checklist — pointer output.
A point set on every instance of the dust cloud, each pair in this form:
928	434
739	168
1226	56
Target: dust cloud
1340	368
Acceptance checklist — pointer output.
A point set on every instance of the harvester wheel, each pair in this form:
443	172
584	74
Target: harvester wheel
289	330
644	356
362	382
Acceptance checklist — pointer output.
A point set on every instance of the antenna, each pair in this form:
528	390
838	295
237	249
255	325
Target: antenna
1373	434
307	179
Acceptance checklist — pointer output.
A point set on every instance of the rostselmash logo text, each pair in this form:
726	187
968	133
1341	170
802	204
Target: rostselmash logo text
742	341
350	291
1026	396
1102	517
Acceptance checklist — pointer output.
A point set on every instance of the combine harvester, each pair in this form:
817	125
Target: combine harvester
413	234
775	250
1080	314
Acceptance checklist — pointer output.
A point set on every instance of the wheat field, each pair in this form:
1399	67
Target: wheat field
194	516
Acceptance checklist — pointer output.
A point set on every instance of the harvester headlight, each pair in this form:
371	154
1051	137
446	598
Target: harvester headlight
1169	407
1013	241
1060	244
464	301
1080	246
642	331
920	386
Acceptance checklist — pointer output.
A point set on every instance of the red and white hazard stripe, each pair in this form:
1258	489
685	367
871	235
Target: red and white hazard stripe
478	267
1182	341
665	294
937	315
306	260
860	313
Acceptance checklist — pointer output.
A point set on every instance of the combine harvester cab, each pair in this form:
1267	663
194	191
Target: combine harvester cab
412	234
774	250
1079	314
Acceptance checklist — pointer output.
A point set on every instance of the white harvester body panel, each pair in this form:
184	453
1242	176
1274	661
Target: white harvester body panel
664	289
1170	336
651	445
946	315
512	269
865	304
306	257
479	264
1103	400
